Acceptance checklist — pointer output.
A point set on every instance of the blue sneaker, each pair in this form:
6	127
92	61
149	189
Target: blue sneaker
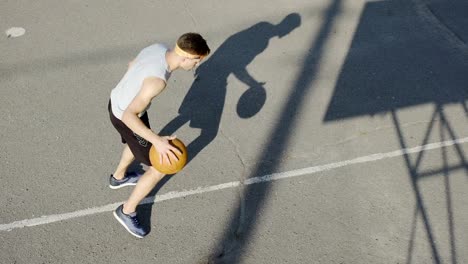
130	222
130	178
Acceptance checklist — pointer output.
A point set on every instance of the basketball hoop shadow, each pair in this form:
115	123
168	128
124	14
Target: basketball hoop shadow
401	70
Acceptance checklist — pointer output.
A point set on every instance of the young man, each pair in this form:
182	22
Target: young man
145	78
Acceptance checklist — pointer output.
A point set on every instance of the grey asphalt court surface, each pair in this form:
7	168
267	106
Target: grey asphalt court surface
321	132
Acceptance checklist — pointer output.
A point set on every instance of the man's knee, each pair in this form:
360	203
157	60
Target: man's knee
155	173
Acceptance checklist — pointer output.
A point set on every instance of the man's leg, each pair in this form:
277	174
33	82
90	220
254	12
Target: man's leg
125	161
144	186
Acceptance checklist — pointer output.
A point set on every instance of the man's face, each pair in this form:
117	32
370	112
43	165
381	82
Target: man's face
188	63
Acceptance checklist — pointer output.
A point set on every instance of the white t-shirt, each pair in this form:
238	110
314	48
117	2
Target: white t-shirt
150	62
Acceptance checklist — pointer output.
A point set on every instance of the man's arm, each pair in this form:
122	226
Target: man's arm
151	87
130	64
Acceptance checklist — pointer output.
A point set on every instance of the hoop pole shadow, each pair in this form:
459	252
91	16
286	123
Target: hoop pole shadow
240	228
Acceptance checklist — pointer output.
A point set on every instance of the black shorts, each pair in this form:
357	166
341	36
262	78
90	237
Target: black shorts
139	146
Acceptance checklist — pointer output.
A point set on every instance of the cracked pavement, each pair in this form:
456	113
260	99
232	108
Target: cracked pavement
343	80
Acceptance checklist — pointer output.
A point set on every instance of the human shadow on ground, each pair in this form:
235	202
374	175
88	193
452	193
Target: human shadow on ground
241	226
393	65
203	105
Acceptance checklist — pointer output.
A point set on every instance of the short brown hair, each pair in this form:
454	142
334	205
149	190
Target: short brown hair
193	43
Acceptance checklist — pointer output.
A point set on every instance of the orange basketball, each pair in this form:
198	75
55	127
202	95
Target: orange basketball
176	165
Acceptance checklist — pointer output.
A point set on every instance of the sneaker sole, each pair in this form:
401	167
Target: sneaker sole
122	223
121	186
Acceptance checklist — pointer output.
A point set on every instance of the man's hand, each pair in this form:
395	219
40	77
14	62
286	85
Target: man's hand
166	150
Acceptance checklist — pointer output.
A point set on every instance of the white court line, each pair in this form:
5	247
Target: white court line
270	177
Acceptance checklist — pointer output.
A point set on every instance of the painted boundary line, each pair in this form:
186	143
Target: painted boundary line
266	178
